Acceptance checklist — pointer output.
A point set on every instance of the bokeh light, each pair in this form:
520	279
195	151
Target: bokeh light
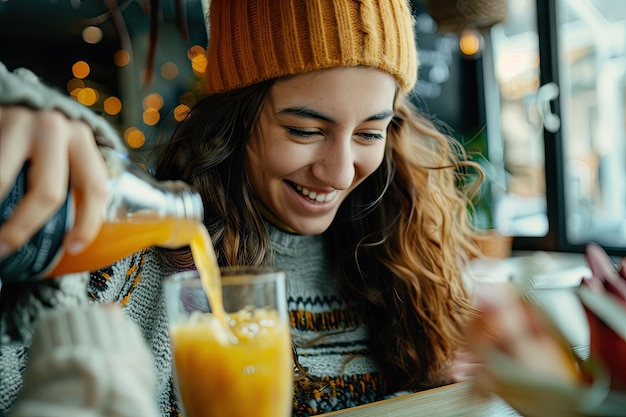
169	70
188	99
197	55
134	137
74	85
181	112
87	96
151	116
92	34
81	69
195	51
112	105
470	43
198	65
121	58
153	101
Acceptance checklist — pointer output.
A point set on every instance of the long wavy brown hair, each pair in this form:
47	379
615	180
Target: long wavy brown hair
398	243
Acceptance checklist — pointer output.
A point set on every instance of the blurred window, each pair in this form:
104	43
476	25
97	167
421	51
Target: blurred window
560	70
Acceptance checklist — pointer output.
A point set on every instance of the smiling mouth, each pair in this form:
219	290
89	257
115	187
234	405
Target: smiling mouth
312	195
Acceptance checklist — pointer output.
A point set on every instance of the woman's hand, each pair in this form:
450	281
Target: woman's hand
465	365
61	152
512	328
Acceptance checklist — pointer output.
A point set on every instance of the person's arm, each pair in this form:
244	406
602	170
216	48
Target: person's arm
60	138
87	361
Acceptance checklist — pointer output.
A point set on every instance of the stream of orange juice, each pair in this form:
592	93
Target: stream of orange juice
222	369
206	263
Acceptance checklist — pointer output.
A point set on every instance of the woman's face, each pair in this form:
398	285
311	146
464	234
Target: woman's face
319	136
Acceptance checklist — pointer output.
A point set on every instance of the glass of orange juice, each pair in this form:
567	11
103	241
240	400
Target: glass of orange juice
235	364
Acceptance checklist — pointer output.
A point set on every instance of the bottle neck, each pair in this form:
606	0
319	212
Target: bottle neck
184	202
188	210
135	195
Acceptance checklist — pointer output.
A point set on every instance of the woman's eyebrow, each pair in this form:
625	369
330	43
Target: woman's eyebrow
308	113
313	114
380	116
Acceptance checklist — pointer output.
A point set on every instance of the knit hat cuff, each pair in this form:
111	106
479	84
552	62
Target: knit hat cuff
250	42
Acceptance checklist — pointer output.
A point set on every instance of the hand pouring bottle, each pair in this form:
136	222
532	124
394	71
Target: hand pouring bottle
140	212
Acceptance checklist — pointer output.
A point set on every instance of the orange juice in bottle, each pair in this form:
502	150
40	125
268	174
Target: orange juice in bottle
117	239
140	212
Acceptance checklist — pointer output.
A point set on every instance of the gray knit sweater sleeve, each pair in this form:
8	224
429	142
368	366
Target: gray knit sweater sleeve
87	361
23	87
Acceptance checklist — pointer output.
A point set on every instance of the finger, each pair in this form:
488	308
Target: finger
484	326
484	382
465	356
89	181
510	320
47	181
14	144
465	365
466	371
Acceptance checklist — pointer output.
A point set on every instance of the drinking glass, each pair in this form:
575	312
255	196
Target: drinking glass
243	367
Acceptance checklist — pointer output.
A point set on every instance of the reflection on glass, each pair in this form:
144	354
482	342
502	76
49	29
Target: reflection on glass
592	61
521	211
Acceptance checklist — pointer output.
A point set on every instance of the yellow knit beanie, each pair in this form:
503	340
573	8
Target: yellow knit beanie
256	40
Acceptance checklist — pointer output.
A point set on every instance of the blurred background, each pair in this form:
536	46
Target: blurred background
136	63
534	89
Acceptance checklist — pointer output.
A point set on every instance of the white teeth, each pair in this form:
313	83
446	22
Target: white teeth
315	196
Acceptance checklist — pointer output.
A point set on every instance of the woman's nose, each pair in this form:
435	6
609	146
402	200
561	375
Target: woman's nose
336	165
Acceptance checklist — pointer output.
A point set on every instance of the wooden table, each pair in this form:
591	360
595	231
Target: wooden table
454	400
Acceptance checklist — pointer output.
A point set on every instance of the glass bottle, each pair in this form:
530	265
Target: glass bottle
140	212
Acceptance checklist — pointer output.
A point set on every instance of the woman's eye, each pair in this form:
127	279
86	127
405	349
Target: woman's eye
371	136
301	133
309	134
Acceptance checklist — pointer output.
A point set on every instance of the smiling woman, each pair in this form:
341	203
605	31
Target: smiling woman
310	157
335	132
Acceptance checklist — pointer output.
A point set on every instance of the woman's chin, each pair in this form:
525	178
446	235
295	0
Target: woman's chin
310	226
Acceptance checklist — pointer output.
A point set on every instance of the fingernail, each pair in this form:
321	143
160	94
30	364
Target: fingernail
75	247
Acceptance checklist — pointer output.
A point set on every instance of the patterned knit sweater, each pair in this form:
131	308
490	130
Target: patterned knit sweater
339	360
